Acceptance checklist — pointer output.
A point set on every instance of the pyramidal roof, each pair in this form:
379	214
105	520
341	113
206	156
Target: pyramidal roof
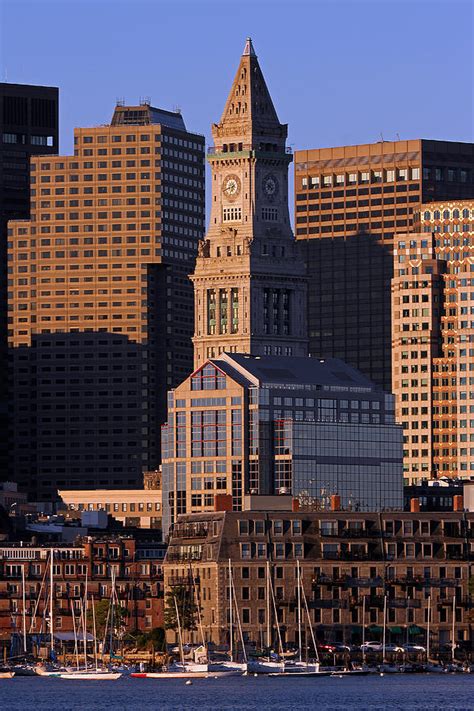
249	105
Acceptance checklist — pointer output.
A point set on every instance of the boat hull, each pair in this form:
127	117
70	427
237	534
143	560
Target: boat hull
91	676
7	675
173	675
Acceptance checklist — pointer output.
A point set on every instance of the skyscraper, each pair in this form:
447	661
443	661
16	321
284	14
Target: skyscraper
350	201
28	127
249	281
433	340
101	303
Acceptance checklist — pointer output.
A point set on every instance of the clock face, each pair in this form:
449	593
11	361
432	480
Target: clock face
270	186
231	186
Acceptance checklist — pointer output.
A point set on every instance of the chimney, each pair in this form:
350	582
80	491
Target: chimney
223	502
414	505
458	503
335	502
295	505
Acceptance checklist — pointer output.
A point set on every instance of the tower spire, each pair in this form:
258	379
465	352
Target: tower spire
249	107
248	49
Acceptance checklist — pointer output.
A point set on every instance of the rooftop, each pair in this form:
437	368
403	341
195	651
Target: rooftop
293	370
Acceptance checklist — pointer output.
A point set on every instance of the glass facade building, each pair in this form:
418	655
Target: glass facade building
270	425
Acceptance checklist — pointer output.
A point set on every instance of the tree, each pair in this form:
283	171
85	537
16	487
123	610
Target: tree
103	617
152	640
187	608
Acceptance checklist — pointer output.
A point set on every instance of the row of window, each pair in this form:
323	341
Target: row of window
361	177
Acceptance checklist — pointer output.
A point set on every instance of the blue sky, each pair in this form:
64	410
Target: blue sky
340	72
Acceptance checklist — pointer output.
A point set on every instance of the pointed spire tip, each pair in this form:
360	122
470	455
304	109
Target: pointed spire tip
248	49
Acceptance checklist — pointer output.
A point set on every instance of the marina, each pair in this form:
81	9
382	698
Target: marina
402	692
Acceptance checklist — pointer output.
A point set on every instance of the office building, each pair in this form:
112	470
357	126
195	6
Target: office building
28	127
249	281
350	201
244	424
351	565
101	314
433	340
133	507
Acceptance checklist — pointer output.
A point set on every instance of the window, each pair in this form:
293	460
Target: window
231	214
244	528
296	527
278	527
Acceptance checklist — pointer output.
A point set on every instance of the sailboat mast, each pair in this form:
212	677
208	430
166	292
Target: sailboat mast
363	629
181	650
51	597
95	635
453	627
269	639
76	649
313	638
196	602
237	614
384	625
276	620
231	621
298	573
84	623
24	605
428	630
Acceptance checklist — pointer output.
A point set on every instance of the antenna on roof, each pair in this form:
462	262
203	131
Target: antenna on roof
177	109
145	101
398	136
120	101
381	136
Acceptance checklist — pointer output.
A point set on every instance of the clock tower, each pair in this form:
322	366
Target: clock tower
249	280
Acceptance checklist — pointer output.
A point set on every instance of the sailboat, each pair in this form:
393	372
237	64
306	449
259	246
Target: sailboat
180	670
96	674
300	667
267	665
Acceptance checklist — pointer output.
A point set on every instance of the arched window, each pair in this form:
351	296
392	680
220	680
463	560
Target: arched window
456	214
427	215
446	215
436	215
465	213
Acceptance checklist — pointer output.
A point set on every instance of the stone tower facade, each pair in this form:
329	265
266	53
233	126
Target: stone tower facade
249	280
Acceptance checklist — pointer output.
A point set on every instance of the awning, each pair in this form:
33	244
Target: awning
414	629
396	630
69	637
375	628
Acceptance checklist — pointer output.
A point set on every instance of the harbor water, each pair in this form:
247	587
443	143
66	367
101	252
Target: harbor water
398	692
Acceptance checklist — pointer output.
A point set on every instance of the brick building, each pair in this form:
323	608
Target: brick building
345	558
100	305
137	567
433	340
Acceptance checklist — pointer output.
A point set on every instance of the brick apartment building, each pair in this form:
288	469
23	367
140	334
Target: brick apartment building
136	565
345	558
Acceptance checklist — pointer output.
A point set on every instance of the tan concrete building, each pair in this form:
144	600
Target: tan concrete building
350	202
133	507
350	563
249	281
100	303
433	340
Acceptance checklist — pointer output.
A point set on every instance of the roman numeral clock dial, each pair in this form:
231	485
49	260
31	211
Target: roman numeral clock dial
270	186
231	186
